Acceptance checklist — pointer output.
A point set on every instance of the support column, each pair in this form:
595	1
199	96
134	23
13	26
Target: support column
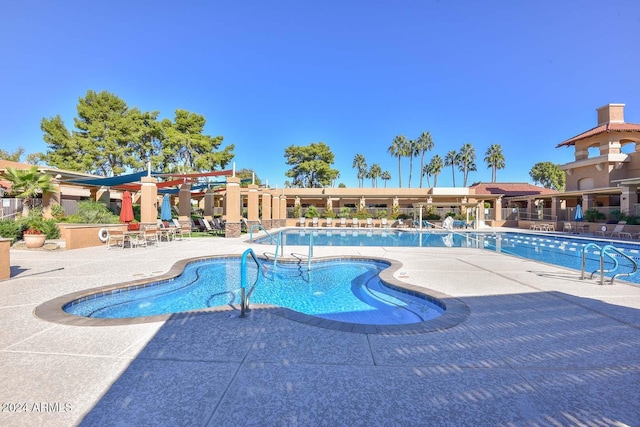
283	210
628	200
266	210
51	198
184	200
209	200
252	205
149	200
555	209
275	211
497	209
232	224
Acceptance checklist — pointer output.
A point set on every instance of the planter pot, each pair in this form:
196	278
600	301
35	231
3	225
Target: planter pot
34	240
133	226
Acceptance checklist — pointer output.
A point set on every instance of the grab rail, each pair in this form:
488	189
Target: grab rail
245	296
605	251
278	241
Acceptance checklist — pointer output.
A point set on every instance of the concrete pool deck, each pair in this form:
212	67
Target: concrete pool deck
539	347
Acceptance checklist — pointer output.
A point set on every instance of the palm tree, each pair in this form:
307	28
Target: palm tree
398	148
360	164
435	167
385	176
424	144
451	160
374	173
494	159
466	161
27	184
426	171
411	152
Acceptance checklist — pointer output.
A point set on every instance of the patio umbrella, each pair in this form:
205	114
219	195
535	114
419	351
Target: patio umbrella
578	213
126	212
165	209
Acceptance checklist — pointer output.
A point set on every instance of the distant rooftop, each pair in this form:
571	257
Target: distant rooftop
610	119
510	189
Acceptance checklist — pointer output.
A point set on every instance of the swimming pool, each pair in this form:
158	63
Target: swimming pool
563	250
342	290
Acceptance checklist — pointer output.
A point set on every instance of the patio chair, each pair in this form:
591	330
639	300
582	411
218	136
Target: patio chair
369	222
343	222
302	222
314	222
384	223
218	226
567	227
355	223
616	230
328	222
115	237
148	236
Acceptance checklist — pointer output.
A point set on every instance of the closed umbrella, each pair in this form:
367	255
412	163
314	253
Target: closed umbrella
165	209
126	212
578	213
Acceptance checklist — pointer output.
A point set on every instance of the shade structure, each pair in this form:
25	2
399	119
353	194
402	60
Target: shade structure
578	213
165	209
126	212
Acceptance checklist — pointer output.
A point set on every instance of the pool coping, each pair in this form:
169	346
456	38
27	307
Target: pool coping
455	312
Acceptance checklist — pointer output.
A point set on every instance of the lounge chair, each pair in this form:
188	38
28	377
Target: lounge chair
369	222
314	222
615	232
218	226
343	222
329	222
355	223
302	222
384	223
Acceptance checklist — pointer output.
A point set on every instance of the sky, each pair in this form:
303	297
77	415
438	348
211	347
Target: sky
266	75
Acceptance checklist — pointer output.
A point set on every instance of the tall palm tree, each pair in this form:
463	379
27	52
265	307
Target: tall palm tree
411	152
466	161
360	164
426	171
494	159
374	173
27	184
451	160
424	144
398	148
435	166
385	176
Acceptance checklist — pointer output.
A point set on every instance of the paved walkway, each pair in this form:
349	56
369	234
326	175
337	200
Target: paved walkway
539	347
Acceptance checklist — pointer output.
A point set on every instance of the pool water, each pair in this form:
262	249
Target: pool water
344	290
562	250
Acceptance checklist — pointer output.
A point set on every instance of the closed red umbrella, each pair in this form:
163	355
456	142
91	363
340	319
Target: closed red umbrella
126	212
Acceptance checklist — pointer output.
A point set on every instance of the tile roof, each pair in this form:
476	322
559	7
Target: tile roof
608	127
510	189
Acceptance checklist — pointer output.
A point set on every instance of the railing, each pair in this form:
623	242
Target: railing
246	296
605	251
277	240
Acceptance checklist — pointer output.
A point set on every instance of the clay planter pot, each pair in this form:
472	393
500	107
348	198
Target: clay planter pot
34	240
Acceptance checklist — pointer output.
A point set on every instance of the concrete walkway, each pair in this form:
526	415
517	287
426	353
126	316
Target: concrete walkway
539	348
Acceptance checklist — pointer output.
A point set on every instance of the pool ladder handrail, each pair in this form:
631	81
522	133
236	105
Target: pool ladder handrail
604	250
244	295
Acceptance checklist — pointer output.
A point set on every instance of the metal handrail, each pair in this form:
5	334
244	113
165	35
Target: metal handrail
245	296
310	252
278	241
605	251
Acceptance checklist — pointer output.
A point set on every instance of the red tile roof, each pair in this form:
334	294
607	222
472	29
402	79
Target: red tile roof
609	127
510	189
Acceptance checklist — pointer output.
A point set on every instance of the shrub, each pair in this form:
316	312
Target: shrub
10	229
90	212
329	213
345	212
592	215
312	212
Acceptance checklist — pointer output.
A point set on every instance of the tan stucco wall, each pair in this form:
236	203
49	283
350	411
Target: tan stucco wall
77	236
5	261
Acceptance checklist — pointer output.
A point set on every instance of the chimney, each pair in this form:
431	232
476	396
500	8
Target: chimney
610	113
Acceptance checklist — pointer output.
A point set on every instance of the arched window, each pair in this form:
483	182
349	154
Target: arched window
585	184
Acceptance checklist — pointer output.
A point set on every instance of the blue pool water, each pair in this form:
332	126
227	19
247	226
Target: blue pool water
562	250
344	290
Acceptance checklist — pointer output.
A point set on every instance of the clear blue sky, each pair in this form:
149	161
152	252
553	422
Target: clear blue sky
352	74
